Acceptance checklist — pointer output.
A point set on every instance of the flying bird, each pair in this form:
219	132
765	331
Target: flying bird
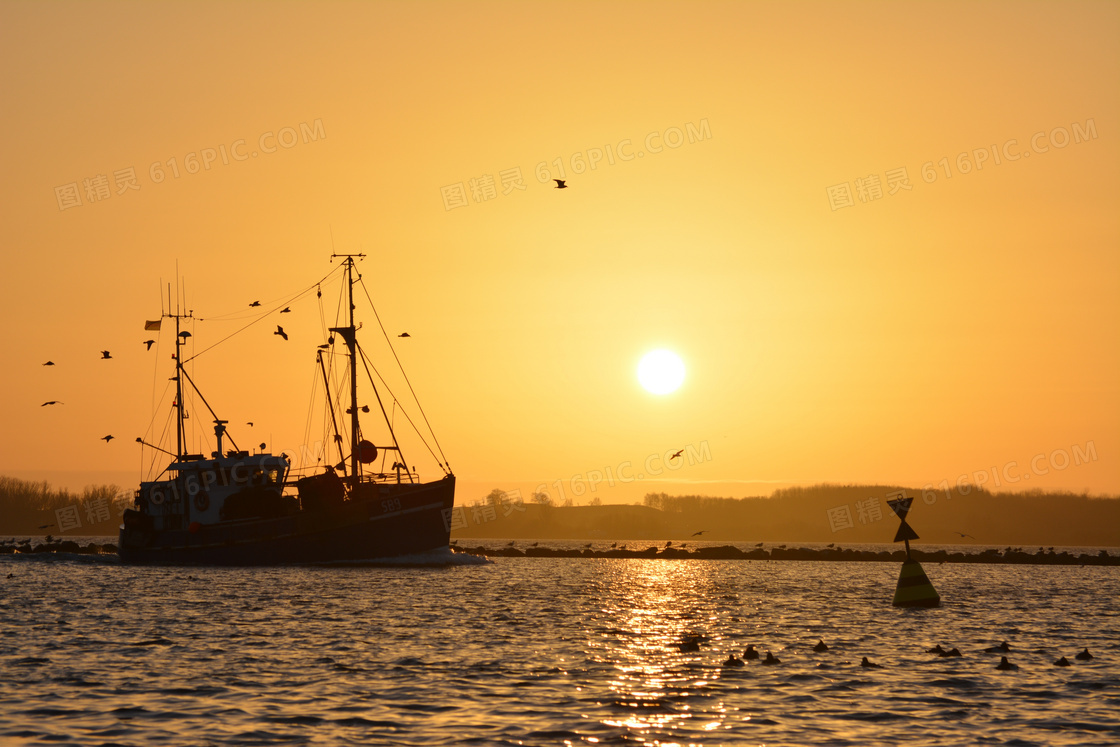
49	363
149	343
280	331
285	310
697	534
254	303
963	535
404	334
105	355
249	424
52	402
560	184
44	526
108	438
676	455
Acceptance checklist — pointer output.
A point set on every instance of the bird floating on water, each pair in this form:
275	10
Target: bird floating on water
280	331
1084	655
771	659
1002	648
1005	665
870	664
820	648
750	653
954	651
1062	662
734	661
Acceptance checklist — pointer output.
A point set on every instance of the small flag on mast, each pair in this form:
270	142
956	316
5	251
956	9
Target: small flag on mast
152	325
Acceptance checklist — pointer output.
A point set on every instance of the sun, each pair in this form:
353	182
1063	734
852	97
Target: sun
661	371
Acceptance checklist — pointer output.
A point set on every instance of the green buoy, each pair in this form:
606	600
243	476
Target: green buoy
914	588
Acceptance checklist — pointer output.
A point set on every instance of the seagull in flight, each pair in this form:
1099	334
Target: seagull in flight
149	343
49	363
105	355
52	402
560	184
963	535
250	424
254	303
286	310
108	438
676	455
697	534
404	334
280	331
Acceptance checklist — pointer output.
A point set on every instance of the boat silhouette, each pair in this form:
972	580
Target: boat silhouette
238	508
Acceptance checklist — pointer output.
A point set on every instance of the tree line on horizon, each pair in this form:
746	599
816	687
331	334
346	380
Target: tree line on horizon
851	514
29	507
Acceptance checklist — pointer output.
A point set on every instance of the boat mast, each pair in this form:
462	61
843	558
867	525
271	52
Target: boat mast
180	340
349	333
179	426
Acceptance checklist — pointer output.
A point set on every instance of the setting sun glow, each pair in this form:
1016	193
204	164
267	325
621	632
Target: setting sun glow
661	371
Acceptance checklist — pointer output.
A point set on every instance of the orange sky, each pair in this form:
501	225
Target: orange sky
967	322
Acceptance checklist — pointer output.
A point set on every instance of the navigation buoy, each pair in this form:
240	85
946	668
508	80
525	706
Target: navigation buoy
914	588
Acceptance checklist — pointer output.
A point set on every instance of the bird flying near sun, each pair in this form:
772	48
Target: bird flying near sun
661	372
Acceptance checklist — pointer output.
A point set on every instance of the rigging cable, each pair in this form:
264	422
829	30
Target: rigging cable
409	383
365	362
264	316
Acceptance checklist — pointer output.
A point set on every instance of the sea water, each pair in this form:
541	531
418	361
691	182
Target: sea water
458	650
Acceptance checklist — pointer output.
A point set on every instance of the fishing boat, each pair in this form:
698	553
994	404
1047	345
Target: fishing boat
234	507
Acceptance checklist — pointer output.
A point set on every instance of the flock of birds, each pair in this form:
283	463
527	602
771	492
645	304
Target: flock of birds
691	643
107	355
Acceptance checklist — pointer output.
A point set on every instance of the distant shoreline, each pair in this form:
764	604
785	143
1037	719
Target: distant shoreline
730	552
1010	556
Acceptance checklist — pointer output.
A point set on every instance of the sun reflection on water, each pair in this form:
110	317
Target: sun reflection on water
659	607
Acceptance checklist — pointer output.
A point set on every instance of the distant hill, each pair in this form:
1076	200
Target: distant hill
822	513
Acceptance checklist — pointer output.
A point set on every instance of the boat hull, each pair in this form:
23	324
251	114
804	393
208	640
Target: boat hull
386	521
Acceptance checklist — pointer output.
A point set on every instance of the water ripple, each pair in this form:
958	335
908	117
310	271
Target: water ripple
551	651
